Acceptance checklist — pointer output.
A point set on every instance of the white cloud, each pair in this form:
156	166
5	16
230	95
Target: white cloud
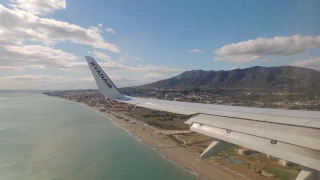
11	68
155	69
35	66
36	77
116	66
138	58
100	25
39	7
56	82
41	52
125	57
100	55
118	78
194	50
309	63
17	25
257	49
34	57
41	57
110	30
238	58
122	59
20	23
110	65
35	82
89	79
125	81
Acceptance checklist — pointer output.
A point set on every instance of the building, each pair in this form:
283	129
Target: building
268	155
284	162
245	151
169	96
130	107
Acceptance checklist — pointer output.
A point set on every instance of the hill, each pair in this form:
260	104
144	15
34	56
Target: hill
283	77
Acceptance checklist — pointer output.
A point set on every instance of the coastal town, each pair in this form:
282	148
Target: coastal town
248	98
243	162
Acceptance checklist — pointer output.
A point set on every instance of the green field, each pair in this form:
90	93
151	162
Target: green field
161	120
282	174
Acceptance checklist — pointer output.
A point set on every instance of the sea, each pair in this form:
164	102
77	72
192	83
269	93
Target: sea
48	138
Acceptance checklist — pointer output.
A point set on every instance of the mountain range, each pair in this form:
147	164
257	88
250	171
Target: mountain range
283	77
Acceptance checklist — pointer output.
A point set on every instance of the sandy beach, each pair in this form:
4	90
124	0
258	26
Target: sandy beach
170	149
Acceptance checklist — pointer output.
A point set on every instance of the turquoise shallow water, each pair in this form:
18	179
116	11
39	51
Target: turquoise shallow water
44	137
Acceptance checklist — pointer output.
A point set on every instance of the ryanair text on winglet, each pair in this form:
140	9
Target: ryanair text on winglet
100	73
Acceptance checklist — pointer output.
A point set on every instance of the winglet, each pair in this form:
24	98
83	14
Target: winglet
104	83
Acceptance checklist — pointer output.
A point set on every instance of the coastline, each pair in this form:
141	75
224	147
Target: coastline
188	160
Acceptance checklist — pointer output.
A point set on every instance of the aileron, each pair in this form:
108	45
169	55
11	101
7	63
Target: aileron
301	155
300	136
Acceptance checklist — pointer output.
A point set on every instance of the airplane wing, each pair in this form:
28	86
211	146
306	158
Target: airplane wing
292	135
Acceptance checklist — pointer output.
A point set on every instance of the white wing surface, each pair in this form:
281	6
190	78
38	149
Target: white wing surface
292	135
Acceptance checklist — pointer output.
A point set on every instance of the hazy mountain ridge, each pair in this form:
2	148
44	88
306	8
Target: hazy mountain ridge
253	77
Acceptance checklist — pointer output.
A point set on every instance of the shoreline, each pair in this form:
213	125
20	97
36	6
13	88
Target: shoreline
168	148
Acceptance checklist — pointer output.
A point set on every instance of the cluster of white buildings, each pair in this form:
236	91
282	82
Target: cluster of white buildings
248	151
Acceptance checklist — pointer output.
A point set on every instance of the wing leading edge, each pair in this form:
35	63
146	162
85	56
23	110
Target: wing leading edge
288	134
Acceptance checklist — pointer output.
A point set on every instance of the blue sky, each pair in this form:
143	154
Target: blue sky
44	43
